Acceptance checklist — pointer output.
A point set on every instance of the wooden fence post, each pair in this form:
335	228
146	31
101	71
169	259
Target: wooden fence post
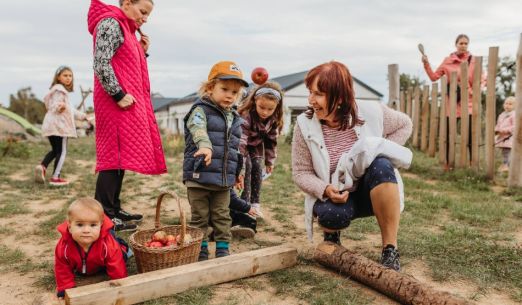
394	86
452	119
402	102
416	104
476	118
434	116
409	96
464	115
425	118
515	172
443	121
490	112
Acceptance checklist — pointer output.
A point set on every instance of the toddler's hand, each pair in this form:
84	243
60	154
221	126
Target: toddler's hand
240	182
62	108
269	169
207	152
252	212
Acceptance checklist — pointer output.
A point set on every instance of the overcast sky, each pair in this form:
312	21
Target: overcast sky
188	37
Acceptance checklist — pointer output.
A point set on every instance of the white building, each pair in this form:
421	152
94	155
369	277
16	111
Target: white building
170	112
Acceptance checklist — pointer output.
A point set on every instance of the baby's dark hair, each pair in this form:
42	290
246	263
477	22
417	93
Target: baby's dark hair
135	1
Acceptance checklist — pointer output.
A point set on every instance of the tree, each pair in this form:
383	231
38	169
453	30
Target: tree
407	81
27	105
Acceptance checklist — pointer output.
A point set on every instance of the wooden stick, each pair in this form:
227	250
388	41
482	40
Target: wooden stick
402	102
464	115
452	119
394	86
475	115
151	285
515	173
425	118
409	97
490	112
443	126
416	104
434	119
399	286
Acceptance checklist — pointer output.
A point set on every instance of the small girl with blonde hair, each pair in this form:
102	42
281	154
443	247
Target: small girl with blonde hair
262	113
58	125
504	132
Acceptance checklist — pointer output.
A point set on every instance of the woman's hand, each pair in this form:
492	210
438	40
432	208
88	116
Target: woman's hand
145	42
335	195
207	152
425	59
126	102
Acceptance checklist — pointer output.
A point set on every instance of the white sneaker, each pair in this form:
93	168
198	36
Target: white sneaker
257	208
244	232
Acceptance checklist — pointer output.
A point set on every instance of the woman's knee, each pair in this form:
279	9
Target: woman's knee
333	216
380	171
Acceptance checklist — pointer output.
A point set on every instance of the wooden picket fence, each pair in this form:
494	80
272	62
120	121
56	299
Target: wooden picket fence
443	138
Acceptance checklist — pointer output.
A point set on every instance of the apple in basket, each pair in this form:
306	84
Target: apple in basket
156	244
160	236
171	240
188	239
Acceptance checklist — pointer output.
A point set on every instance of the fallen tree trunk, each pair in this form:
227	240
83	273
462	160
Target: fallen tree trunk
399	286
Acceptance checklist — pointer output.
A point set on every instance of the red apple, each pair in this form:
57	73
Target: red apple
156	244
259	75
171	238
160	236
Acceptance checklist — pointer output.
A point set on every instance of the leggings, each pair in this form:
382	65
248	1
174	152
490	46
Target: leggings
58	153
253	179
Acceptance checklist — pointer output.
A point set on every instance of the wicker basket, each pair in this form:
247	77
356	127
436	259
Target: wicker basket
149	259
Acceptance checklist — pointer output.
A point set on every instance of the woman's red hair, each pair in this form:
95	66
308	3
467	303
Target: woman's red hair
334	79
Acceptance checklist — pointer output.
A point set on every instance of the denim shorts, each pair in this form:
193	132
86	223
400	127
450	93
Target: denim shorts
337	216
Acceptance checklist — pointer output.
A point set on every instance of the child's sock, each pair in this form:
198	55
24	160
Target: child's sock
222	249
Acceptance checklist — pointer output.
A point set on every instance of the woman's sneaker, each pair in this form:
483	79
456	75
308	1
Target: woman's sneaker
126	216
120	226
390	258
243	232
58	182
39	174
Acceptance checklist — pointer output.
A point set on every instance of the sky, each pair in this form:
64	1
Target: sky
284	36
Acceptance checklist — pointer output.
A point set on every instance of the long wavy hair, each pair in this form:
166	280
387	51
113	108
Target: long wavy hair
57	74
249	103
334	79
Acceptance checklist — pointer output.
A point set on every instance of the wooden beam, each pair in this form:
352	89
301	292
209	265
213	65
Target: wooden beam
464	115
476	117
452	119
394	86
409	95
425	115
401	287
151	285
490	112
515	172
402	103
416	105
434	119
443	120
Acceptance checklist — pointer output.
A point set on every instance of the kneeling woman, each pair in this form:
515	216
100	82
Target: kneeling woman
330	127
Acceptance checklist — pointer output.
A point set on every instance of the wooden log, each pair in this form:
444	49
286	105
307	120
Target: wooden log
399	286
416	104
151	285
425	115
434	120
394	86
409	97
515	172
476	118
464	115
402	103
490	112
443	124
452	119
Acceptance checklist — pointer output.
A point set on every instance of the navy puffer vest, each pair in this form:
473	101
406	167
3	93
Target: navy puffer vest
225	148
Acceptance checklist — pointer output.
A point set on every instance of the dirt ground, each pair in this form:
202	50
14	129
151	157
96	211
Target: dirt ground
16	288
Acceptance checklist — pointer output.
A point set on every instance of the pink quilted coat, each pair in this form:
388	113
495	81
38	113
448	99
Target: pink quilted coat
125	139
505	128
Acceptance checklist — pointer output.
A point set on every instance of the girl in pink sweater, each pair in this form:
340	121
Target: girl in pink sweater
504	131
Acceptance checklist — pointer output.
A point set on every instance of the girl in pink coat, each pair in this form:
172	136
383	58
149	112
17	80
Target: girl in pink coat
504	132
58	125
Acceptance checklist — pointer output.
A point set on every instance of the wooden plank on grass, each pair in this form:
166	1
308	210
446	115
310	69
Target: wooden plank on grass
151	285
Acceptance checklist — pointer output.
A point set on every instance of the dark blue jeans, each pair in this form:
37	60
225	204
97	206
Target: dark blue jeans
337	216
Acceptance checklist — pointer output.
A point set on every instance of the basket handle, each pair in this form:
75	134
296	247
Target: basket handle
182	218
